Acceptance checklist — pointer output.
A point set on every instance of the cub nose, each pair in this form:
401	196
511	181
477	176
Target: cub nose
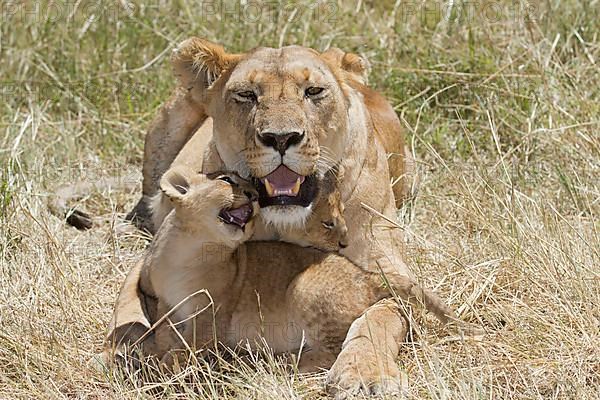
280	141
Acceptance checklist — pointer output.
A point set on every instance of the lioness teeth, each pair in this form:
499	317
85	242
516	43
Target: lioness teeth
269	188
296	187
290	191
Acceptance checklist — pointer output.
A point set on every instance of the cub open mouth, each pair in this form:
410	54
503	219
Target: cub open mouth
237	216
285	187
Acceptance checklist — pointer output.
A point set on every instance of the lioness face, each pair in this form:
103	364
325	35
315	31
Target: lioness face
221	205
287	112
280	117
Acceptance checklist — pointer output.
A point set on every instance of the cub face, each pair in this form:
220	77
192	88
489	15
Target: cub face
221	204
335	233
327	225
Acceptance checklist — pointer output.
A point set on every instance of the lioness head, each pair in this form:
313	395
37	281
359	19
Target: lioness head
221	204
280	116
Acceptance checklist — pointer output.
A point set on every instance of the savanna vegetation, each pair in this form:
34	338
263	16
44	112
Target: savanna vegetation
501	105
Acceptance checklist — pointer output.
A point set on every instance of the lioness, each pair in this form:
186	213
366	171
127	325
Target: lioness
283	118
194	277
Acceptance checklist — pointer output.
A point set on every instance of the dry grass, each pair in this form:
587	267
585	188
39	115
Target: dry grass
502	108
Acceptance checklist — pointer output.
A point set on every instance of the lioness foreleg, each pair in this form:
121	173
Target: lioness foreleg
171	129
130	322
367	362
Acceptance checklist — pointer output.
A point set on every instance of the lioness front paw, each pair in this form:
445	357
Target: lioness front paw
354	373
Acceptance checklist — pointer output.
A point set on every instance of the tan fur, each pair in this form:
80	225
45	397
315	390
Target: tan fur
354	129
197	285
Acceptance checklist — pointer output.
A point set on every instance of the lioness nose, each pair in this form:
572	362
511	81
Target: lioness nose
280	141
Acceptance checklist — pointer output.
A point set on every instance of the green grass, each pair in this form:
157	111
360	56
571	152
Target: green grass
501	109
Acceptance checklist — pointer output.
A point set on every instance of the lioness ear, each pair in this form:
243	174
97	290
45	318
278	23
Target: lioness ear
353	64
199	63
175	183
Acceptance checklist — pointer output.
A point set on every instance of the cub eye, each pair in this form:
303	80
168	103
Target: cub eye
226	179
246	95
313	91
328	225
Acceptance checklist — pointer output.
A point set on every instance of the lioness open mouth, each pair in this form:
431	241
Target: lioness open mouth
284	187
237	216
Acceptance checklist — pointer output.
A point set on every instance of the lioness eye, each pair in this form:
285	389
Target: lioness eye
313	91
247	95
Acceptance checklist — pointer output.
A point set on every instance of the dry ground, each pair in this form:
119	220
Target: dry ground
501	101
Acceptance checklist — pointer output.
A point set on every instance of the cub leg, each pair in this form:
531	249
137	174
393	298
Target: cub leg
367	362
166	338
172	342
178	336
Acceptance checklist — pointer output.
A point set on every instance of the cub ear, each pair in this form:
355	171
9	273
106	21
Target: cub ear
176	182
353	64
198	63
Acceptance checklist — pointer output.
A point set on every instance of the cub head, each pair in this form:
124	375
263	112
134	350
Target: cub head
326	228
281	116
220	204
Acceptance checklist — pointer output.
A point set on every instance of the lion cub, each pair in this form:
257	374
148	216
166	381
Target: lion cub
334	237
191	265
195	265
